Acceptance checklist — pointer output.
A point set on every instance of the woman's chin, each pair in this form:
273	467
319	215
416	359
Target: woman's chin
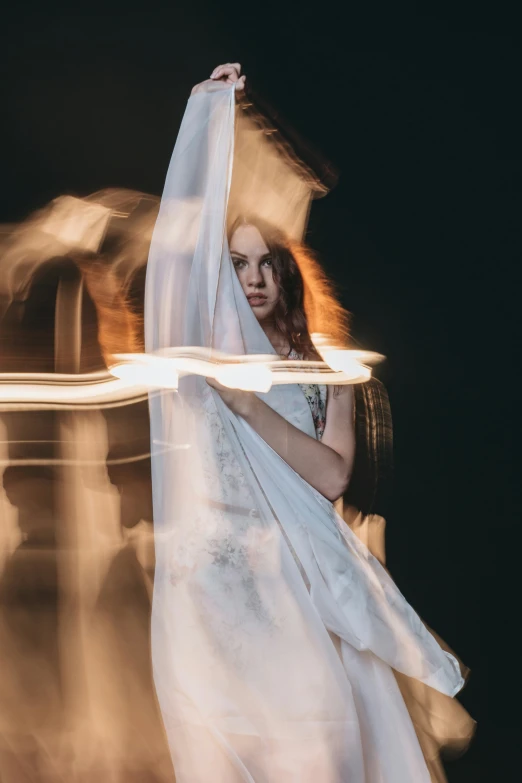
261	312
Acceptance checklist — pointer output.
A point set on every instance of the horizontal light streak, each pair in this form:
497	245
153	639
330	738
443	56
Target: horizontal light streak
250	373
135	375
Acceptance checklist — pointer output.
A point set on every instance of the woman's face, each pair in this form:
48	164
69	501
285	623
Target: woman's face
253	265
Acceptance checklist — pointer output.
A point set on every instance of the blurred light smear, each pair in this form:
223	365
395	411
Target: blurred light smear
77	701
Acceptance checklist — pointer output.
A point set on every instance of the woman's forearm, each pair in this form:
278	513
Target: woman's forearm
316	463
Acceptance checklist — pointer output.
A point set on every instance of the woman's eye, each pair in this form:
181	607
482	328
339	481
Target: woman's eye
267	261
238	262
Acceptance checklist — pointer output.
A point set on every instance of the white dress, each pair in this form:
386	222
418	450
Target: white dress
385	714
274	629
333	712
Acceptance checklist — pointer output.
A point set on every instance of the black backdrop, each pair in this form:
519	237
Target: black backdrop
418	109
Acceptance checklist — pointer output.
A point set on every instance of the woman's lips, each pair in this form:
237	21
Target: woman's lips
256	301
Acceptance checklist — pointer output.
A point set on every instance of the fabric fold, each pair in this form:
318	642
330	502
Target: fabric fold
250	682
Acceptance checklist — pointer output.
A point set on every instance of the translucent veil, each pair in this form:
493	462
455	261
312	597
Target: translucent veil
273	627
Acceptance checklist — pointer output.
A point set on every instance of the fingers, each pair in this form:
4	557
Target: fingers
226	68
216	385
229	72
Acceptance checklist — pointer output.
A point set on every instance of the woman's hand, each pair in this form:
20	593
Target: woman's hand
240	402
229	73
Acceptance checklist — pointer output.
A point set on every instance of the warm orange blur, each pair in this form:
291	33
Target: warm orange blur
77	701
77	556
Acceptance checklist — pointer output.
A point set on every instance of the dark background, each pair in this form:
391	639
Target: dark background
419	109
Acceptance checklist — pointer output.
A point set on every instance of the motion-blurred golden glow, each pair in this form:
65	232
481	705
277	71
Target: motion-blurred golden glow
249	373
77	700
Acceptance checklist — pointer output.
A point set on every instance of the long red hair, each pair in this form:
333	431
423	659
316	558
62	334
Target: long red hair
307	302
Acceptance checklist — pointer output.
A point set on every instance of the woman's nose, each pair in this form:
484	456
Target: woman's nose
255	278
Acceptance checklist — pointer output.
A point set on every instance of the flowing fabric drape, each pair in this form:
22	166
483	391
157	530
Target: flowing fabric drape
273	626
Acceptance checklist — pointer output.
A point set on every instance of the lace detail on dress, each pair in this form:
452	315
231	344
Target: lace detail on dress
221	553
316	397
233	556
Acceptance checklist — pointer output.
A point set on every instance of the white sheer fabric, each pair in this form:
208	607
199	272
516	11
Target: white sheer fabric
261	675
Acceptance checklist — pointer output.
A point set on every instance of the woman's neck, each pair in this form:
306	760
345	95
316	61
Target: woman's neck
279	343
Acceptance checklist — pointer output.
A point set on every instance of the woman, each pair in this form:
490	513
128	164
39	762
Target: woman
275	632
273	285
